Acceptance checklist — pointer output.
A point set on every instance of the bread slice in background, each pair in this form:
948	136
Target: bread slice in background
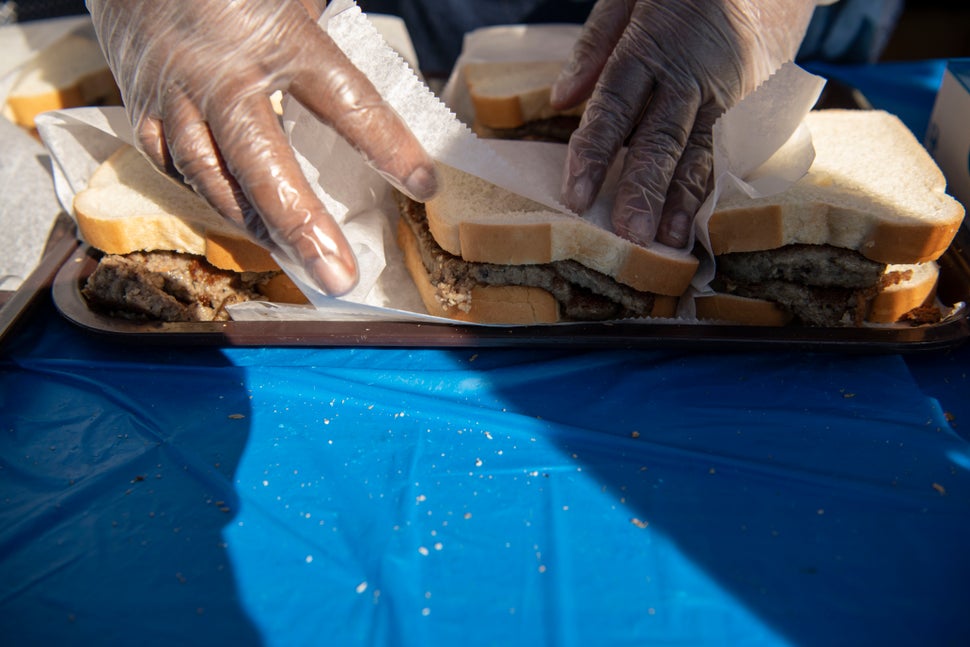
509	94
72	72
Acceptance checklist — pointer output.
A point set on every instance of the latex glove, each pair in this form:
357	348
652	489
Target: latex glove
196	76
661	73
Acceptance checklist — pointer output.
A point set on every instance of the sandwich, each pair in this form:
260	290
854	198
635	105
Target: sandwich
853	242
511	101
480	254
166	255
70	73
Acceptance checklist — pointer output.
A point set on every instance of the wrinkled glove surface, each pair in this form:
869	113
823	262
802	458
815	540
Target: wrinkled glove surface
657	75
196	76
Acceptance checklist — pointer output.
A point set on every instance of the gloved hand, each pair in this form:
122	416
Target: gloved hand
196	76
661	73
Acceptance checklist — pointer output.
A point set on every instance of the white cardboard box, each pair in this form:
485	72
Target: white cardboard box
948	134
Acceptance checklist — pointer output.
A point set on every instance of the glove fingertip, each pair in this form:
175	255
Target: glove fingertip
632	218
578	193
570	89
422	184
336	277
674	230
561	90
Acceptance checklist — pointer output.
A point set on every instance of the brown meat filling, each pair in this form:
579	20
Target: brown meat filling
820	285
168	286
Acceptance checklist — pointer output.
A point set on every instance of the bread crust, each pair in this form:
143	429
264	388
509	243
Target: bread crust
525	244
920	243
282	289
892	302
665	306
497	112
762	227
128	206
645	270
746	229
152	231
740	310
237	254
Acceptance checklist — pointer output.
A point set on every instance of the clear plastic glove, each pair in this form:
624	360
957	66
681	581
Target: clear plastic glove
659	74
196	77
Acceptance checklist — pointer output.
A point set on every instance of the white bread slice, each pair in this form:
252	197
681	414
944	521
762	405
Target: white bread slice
484	223
70	73
917	289
129	206
510	94
872	188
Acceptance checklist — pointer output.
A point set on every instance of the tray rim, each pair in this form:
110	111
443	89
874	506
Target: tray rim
71	304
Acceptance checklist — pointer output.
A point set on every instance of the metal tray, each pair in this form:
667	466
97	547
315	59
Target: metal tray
954	287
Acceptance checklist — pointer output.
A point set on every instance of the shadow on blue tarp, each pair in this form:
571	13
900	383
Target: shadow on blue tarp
826	495
116	469
399	497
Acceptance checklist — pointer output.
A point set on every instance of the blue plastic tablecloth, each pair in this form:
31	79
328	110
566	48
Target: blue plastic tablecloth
293	496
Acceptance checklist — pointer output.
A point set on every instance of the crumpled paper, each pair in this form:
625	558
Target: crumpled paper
360	198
